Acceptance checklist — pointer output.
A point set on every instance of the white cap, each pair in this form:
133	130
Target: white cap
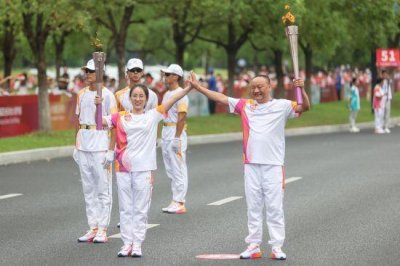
174	69
134	63
89	65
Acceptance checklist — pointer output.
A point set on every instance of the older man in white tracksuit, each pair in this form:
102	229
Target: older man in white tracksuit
263	120
174	141
92	155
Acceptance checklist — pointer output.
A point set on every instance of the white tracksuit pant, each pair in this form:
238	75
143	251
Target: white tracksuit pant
264	186
176	168
382	114
134	196
97	187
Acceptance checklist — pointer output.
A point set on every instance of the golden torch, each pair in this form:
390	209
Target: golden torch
99	59
292	32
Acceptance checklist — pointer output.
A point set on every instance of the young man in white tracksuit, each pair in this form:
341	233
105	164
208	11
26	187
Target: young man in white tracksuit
134	72
263	121
174	141
92	155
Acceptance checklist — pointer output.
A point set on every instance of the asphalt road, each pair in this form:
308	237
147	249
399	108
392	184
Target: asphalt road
344	211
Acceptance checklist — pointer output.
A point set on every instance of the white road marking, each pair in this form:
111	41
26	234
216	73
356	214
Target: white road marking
292	179
148	227
223	201
10	196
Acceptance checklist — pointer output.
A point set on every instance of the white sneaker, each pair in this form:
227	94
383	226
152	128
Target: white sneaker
177	208
387	130
169	206
88	237
379	131
136	251
101	236
125	251
277	254
252	252
354	130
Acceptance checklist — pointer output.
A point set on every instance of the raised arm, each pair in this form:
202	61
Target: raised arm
213	95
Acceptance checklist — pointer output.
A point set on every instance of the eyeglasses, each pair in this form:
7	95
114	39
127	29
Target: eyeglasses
135	70
89	71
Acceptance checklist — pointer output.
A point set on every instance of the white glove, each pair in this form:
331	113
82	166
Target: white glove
176	145
75	155
108	158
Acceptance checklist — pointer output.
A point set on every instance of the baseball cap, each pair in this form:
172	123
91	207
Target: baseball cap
89	65
173	69
134	63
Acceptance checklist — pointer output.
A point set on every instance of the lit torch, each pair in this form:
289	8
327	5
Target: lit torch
99	59
292	33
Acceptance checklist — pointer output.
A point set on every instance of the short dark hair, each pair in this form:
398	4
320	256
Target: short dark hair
264	77
143	87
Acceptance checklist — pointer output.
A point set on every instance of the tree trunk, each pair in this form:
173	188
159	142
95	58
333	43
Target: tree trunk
9	51
231	53
308	58
179	53
279	91
59	49
120	49
44	107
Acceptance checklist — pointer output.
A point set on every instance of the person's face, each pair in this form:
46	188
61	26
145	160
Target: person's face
385	75
170	78
260	89
138	99
90	76
135	74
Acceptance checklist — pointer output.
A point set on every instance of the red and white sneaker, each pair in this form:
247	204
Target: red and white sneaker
169	206
277	254
101	236
89	236
252	252
126	250
136	250
177	208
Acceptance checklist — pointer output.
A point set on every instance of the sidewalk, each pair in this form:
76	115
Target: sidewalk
66	151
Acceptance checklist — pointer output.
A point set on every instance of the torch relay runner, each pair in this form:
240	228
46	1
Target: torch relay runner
91	153
135	135
263	122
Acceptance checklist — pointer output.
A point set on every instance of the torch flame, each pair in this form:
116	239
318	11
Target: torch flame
96	42
289	18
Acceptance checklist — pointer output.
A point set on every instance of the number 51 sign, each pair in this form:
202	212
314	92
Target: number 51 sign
387	57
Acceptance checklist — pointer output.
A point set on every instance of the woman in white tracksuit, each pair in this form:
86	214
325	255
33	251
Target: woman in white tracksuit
135	134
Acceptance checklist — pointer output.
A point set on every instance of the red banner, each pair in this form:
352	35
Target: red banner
387	57
20	114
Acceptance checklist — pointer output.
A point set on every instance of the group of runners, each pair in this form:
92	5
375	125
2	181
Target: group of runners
129	139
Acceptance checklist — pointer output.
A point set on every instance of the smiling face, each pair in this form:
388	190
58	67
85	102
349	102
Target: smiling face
138	99
260	89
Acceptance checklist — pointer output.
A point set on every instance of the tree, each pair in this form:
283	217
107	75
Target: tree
238	20
186	20
10	25
40	19
107	14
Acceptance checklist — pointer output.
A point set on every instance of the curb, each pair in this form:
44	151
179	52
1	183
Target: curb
66	151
